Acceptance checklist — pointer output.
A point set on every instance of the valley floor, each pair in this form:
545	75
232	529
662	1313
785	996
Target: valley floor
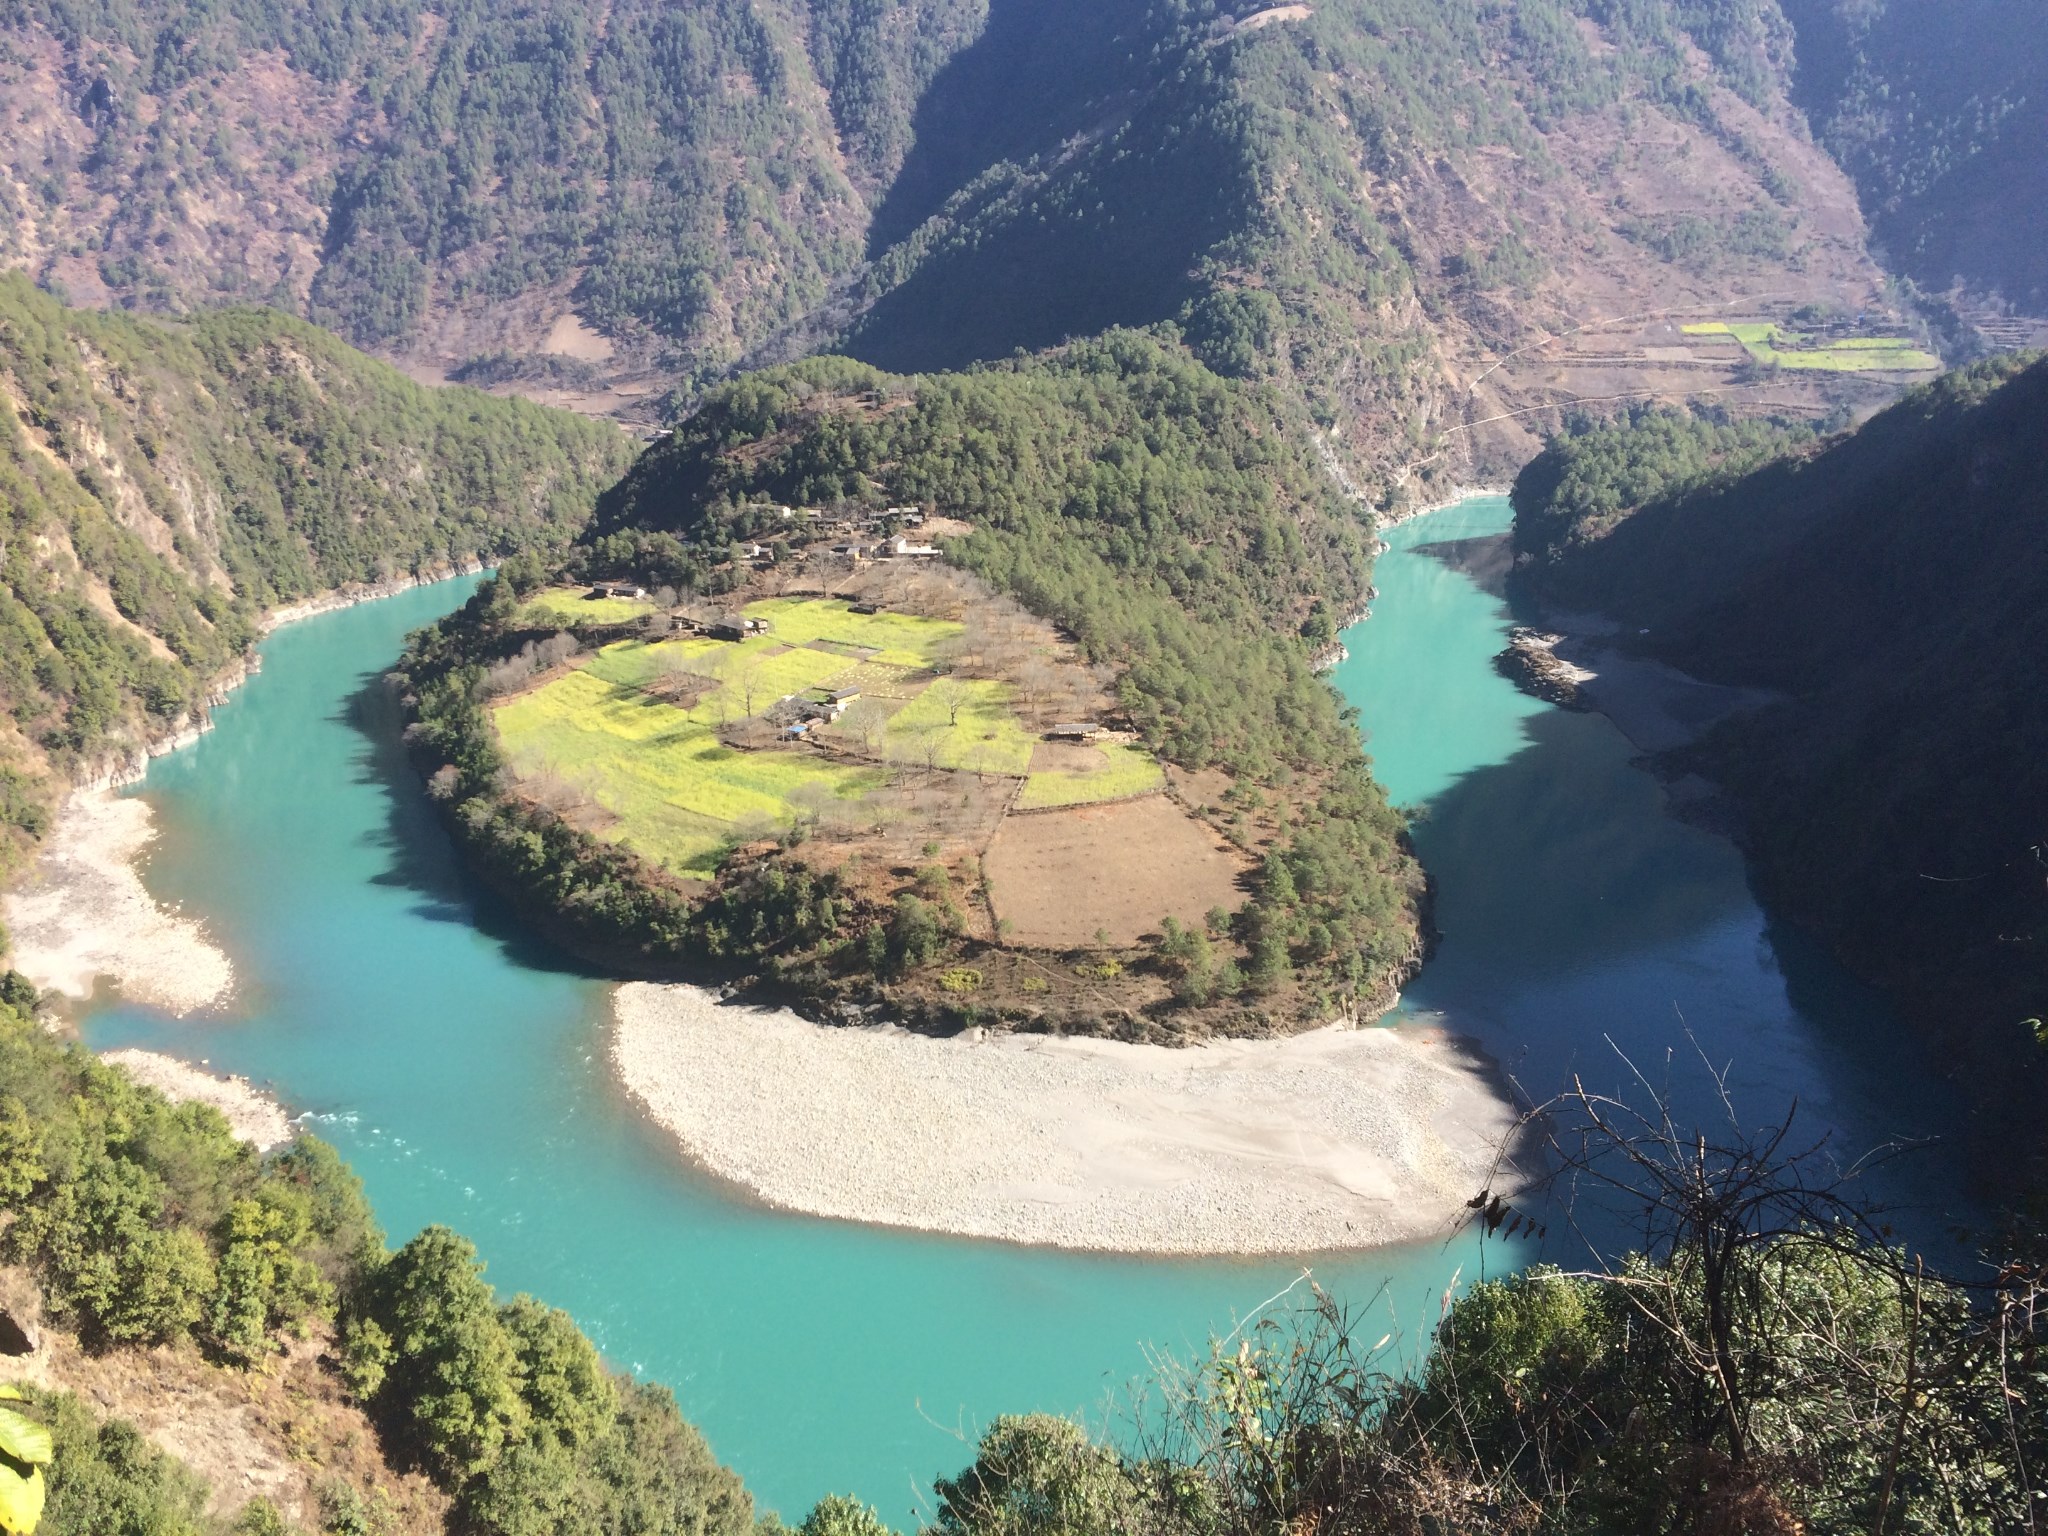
1341	1138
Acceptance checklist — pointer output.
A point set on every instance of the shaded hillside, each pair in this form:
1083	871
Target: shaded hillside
1936	108
1893	584
1365	202
163	484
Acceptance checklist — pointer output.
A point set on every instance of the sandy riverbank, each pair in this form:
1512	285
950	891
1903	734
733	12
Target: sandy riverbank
83	913
1335	1139
251	1113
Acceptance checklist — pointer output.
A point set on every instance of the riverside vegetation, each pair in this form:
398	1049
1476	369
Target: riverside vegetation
1889	583
1767	1363
1167	520
164	484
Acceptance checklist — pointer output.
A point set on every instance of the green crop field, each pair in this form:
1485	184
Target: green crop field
1125	771
678	795
575	605
988	738
902	639
761	670
677	791
1856	354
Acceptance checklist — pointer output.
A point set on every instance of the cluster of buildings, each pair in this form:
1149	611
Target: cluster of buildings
862	535
796	715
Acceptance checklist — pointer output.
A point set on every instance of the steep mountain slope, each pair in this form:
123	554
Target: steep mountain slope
1385	205
453	179
162	484
1892	584
1936	108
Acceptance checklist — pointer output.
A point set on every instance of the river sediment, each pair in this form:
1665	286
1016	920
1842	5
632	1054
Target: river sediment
83	914
1337	1139
252	1114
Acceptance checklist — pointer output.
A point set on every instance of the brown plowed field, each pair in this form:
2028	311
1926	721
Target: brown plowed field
1059	876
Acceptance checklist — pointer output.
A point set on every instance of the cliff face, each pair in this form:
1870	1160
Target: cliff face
162	485
1893	583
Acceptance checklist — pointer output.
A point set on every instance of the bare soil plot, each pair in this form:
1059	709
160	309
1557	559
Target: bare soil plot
1065	757
1058	876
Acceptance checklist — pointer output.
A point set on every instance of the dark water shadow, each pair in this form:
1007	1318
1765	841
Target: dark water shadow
421	857
1562	855
1488	559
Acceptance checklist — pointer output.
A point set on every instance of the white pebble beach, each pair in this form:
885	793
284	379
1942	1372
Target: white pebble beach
1338	1138
83	913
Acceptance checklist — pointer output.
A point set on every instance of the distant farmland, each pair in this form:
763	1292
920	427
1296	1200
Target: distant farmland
1774	346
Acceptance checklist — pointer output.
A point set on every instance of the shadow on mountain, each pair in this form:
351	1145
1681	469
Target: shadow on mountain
1070	170
422	859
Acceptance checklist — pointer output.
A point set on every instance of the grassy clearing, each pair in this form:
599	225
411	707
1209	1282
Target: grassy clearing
677	791
1856	354
988	737
902	639
574	605
1125	771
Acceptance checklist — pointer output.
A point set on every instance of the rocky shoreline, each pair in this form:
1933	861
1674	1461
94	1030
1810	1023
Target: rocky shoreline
1532	664
253	1115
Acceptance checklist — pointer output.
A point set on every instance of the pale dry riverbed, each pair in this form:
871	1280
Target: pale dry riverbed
1340	1138
83	914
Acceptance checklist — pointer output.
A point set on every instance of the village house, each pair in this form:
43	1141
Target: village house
853	552
618	589
735	627
828	703
1076	730
904	548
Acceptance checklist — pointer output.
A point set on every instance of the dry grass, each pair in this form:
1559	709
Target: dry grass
1059	877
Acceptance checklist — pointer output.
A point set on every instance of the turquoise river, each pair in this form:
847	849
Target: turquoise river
461	1068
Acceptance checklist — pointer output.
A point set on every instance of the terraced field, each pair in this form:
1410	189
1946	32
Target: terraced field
676	793
1125	771
635	731
1771	344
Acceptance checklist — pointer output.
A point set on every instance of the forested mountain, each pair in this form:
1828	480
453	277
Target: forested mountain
1936	108
1892	584
162	484
1371	201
